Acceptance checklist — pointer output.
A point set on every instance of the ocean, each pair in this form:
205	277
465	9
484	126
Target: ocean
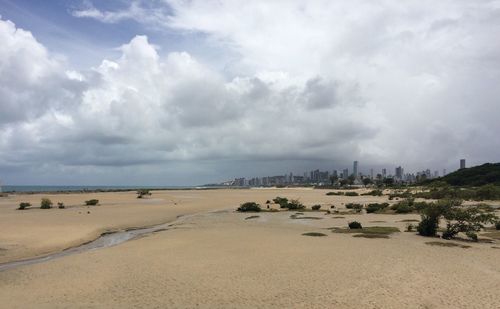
10	188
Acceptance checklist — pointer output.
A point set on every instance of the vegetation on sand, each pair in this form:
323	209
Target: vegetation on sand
143	192
24	205
45	203
354	225
92	202
249	207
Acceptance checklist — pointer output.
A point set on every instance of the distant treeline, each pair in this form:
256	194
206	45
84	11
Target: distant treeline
476	176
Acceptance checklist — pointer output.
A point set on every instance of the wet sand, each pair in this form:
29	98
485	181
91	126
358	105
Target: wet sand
220	259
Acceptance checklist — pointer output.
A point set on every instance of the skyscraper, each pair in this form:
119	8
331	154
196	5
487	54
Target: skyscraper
371	173
462	163
384	173
355	169
399	172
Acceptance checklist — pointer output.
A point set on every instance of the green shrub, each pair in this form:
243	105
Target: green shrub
355	225
374	207
249	206
60	205
143	192
45	203
316	207
404	206
466	220
294	205
350	193
92	202
497	225
24	205
428	225
431	215
353	206
403	209
282	201
335	193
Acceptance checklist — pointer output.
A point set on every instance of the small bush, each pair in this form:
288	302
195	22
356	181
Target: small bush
497	225
294	205
404	207
410	227
249	206
335	193
92	202
45	203
374	207
143	192
354	206
60	205
428	226
316	207
355	225
24	205
282	201
268	202
351	193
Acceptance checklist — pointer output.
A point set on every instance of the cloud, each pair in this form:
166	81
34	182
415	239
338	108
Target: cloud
144	108
139	11
313	83
31	82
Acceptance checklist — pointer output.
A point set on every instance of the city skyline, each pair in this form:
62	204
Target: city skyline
324	177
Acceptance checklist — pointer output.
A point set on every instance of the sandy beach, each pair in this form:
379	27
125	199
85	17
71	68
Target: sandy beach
218	258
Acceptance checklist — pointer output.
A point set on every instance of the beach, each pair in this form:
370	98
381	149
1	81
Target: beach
214	257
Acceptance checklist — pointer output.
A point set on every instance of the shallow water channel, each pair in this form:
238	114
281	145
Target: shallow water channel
104	241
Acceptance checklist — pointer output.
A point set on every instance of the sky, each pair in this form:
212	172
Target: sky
176	92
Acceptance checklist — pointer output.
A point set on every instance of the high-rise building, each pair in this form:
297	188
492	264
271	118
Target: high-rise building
462	163
384	173
355	169
399	172
444	172
345	173
371	173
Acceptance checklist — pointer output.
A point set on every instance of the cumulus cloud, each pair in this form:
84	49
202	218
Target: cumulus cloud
144	108
324	82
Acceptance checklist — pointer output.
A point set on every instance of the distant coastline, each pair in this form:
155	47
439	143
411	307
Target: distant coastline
26	189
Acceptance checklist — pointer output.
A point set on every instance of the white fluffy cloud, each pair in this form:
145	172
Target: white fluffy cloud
145	108
382	82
